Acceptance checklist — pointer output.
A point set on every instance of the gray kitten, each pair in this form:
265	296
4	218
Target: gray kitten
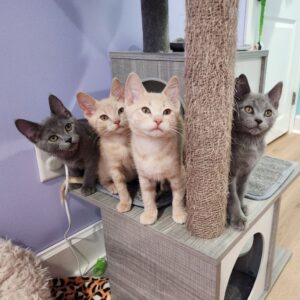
253	116
239	286
73	141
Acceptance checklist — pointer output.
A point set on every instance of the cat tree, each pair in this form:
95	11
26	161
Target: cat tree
165	261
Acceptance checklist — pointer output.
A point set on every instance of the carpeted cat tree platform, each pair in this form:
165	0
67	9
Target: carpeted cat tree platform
170	261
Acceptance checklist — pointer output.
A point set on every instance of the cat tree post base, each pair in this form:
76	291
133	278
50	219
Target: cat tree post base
164	261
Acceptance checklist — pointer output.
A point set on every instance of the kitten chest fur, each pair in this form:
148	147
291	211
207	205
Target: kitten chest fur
116	154
156	158
246	151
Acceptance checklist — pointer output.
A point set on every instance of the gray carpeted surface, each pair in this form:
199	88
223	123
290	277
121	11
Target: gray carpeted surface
267	177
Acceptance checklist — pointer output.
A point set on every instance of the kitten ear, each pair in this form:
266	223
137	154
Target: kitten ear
242	87
117	90
86	103
57	107
29	129
172	91
134	89
275	94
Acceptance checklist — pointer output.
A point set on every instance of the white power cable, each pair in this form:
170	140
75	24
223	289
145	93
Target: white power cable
65	202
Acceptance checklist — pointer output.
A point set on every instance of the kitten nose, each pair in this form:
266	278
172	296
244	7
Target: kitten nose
157	121
258	121
117	122
69	140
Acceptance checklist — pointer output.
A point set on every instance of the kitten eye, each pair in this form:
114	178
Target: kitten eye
53	138
68	127
167	111
146	110
104	117
121	110
248	109
268	113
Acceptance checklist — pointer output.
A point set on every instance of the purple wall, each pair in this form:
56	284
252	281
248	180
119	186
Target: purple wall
51	47
55	47
177	19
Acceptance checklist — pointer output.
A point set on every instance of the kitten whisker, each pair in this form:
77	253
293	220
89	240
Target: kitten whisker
175	129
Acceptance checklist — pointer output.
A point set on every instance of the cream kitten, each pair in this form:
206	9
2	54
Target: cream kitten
154	119
116	165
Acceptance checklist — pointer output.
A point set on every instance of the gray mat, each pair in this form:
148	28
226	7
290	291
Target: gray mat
267	177
163	198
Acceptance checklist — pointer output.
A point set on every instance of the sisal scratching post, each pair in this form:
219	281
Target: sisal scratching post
209	83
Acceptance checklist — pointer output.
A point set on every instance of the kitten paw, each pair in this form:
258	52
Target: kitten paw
111	188
123	206
239	224
245	209
147	218
88	190
179	217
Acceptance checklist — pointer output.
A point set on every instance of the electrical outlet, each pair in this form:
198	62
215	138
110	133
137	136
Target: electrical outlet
49	166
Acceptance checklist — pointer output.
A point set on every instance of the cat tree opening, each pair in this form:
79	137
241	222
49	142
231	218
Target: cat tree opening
154	85
245	269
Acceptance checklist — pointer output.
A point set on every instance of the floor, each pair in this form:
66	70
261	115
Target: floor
288	285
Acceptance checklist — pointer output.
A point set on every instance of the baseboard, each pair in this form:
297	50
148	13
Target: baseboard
296	128
89	245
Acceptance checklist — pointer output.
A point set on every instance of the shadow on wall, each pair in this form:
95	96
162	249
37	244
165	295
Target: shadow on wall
100	15
56	47
98	24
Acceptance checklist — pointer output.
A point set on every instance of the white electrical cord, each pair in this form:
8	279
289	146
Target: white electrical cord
65	202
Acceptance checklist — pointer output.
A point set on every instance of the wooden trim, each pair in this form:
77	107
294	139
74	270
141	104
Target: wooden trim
281	258
296	127
60	260
178	56
272	244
